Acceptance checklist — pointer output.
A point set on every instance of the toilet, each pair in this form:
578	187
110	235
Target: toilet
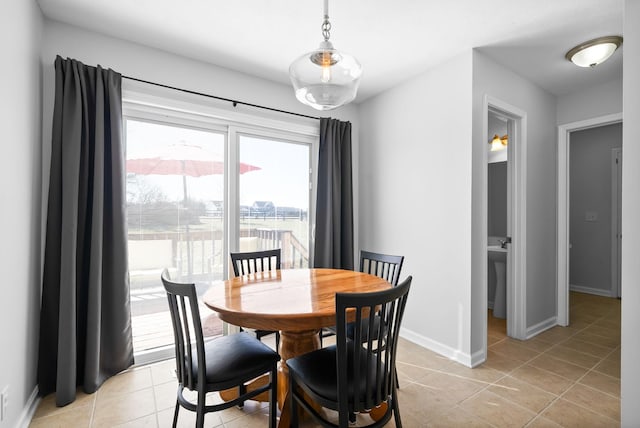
500	298
498	263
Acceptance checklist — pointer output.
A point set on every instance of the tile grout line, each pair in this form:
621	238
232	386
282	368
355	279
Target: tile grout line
93	409
539	413
563	393
155	401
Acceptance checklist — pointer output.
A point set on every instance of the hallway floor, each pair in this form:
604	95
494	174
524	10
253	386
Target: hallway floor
564	377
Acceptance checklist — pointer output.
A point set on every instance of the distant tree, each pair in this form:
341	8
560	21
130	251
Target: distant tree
140	191
149	207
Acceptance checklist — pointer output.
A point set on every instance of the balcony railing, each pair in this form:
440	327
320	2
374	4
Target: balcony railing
194	255
197	254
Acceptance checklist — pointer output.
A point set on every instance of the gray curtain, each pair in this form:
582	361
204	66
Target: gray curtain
334	206
85	320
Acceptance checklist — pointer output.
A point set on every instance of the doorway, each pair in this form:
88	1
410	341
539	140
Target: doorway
591	216
515	236
498	201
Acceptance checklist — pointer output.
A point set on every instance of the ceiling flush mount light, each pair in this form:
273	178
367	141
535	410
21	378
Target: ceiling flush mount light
325	78
498	143
594	52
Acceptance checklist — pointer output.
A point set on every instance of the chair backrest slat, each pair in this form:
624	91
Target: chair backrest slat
385	266
255	261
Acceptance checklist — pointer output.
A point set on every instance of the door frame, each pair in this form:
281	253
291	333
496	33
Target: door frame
562	244
516	257
616	220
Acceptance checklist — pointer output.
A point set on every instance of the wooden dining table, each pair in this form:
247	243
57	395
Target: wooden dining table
296	302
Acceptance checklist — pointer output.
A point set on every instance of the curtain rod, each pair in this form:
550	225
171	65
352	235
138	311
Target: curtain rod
234	102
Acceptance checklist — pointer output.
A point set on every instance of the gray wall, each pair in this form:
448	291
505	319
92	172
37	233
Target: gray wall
590	192
20	183
497	210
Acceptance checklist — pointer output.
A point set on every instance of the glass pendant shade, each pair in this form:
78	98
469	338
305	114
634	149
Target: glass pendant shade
325	78
594	52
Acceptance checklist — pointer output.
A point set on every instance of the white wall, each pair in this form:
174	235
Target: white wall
630	215
599	100
20	33
498	82
415	198
155	65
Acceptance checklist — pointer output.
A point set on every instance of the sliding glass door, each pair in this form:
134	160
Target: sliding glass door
197	190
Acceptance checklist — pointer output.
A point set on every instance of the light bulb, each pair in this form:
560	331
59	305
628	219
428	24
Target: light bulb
496	143
325	65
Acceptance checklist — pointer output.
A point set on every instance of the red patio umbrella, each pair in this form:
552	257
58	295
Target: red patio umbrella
184	160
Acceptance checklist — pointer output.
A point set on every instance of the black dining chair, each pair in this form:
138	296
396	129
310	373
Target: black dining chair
219	364
385	266
353	376
257	261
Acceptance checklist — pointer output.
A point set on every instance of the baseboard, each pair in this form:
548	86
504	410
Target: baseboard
478	358
589	290
439	348
534	330
29	410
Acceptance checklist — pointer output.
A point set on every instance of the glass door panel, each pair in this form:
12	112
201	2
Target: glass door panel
274	193
175	215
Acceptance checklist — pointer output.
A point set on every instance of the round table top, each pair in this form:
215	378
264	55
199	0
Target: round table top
288	299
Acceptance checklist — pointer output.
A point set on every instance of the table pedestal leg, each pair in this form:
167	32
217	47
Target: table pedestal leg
292	344
233	393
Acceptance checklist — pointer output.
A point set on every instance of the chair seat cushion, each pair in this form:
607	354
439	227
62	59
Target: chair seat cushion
235	356
318	369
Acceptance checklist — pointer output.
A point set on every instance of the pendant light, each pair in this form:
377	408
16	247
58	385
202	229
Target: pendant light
594	52
325	78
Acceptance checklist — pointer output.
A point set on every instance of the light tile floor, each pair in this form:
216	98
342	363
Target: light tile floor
564	377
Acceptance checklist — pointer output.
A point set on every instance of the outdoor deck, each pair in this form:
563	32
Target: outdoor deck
196	257
151	322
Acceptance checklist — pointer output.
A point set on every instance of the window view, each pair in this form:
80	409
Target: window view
274	198
175	199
